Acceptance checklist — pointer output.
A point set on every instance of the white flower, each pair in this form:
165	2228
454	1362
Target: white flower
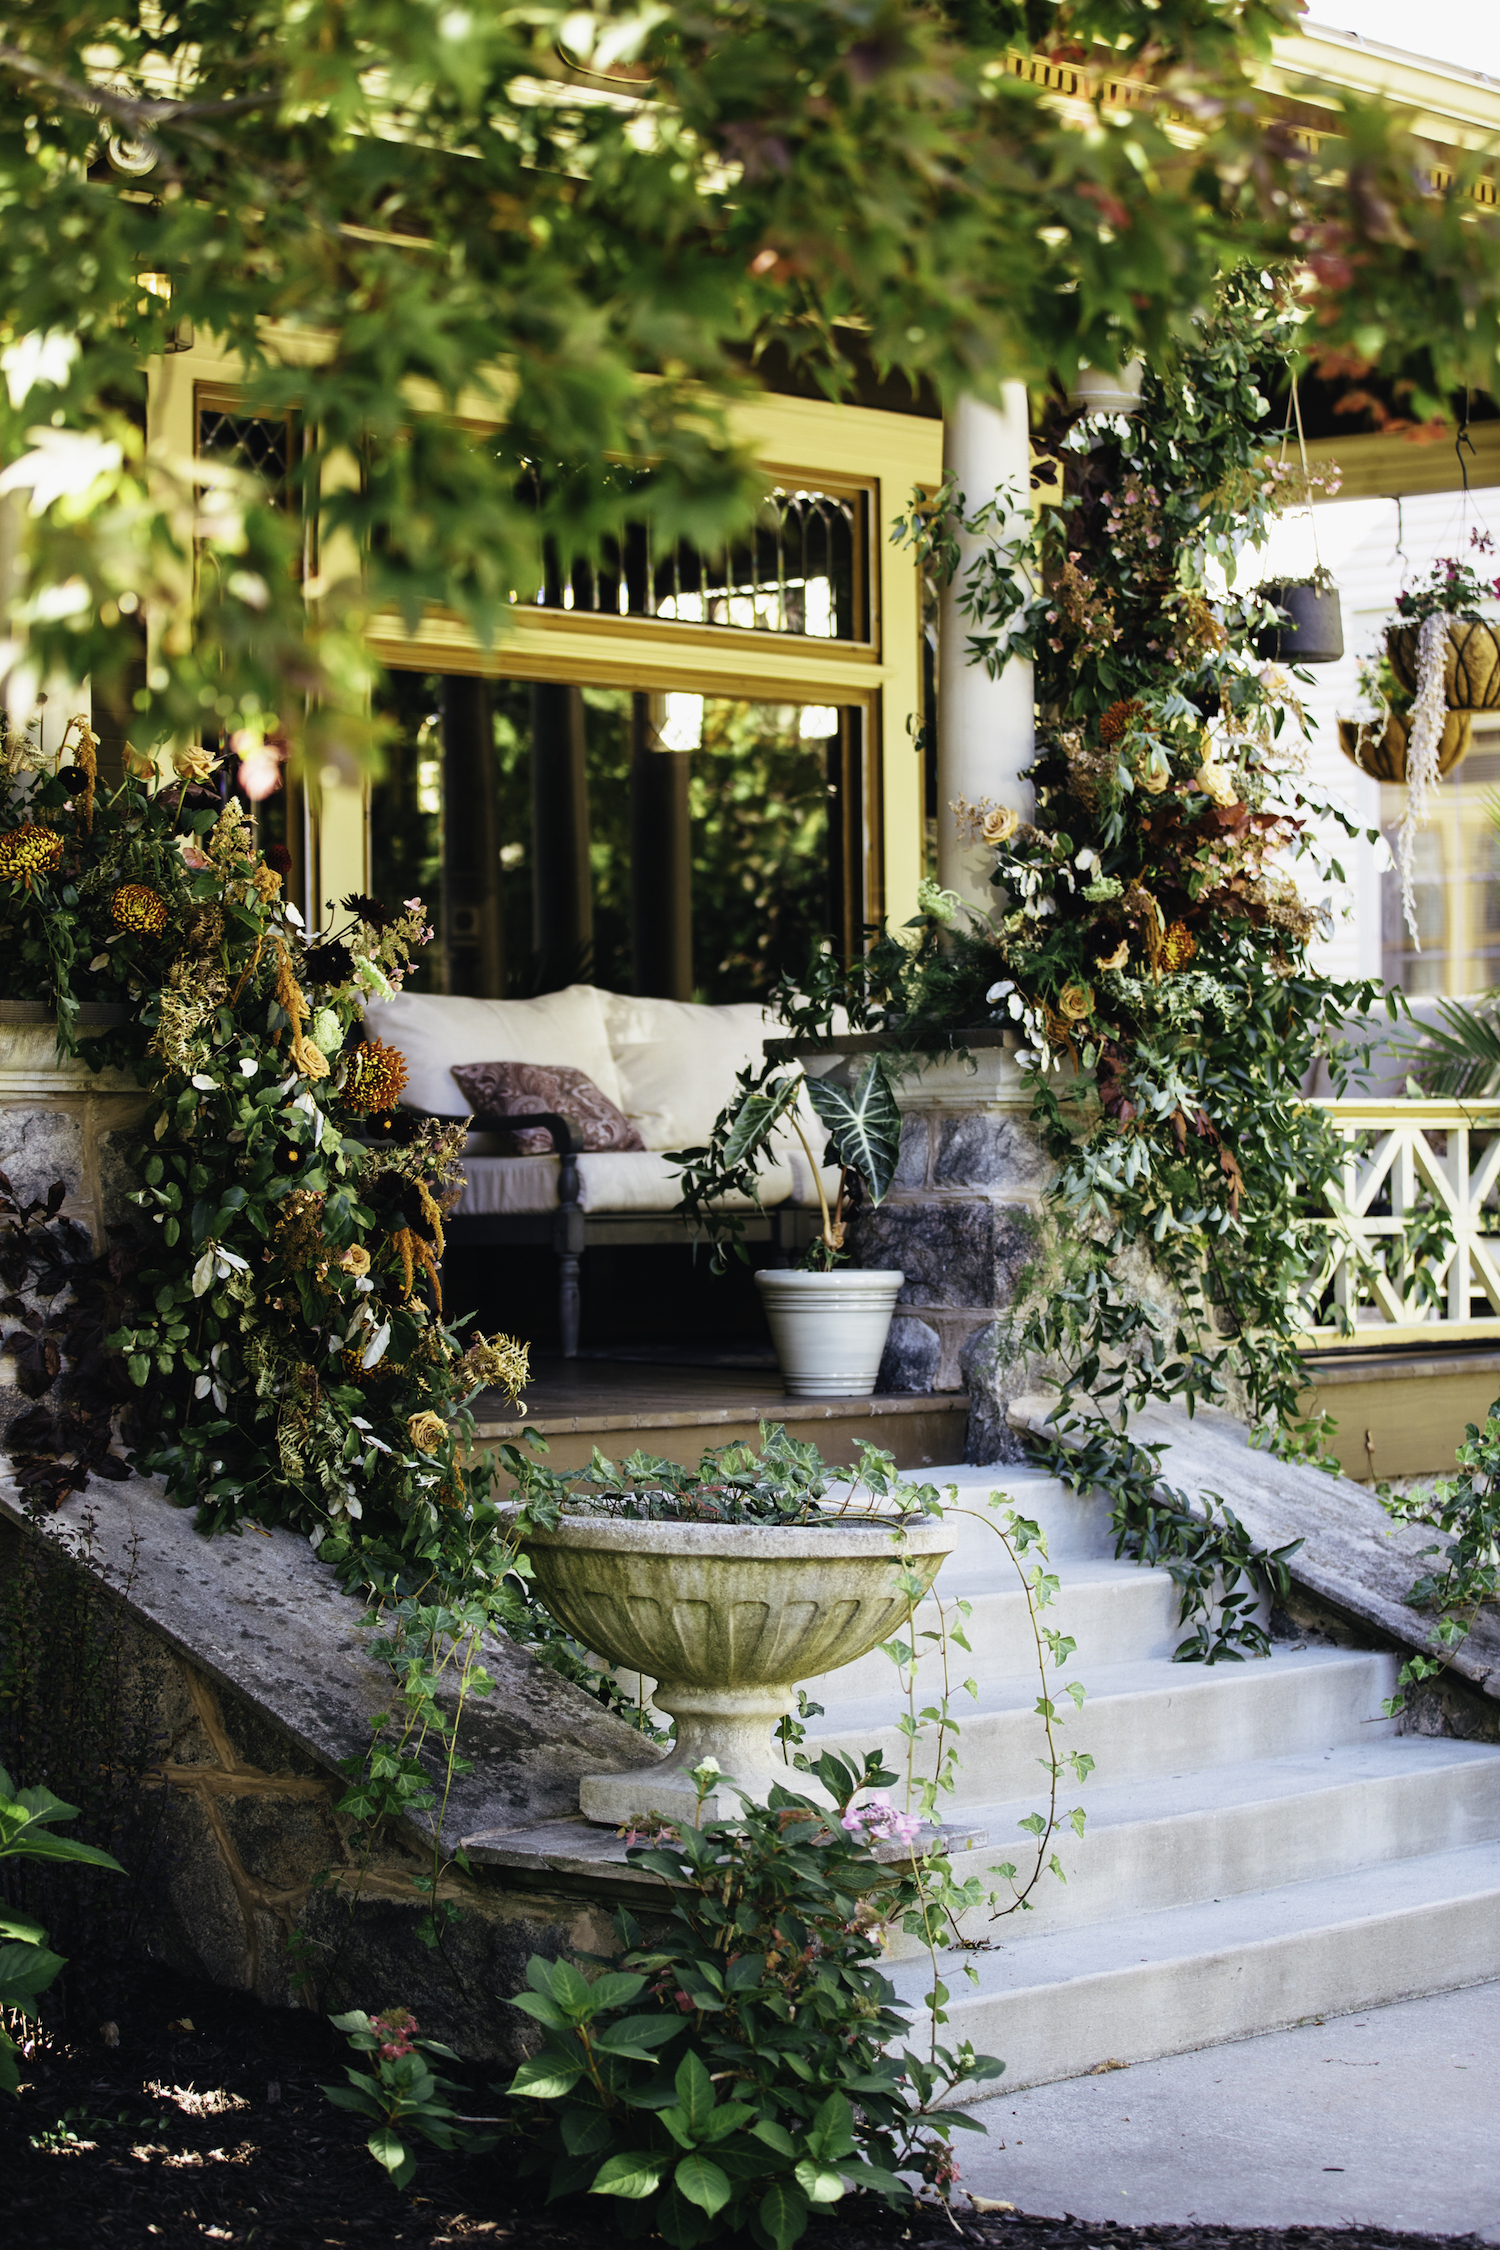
1084	860
998	991
37	359
65	462
249	1065
374	979
204	1083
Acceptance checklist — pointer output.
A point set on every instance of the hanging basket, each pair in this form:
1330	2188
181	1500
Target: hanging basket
1099	391
1381	751
1314	629
1471	663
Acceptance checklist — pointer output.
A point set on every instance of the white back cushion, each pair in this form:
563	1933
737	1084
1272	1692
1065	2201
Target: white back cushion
677	1062
436	1030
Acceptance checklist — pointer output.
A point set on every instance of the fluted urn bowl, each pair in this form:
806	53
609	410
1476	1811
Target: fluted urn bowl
728	1619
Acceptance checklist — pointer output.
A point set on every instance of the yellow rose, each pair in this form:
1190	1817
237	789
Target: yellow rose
355	1260
1213	782
426	1431
193	764
1115	960
999	826
1074	1002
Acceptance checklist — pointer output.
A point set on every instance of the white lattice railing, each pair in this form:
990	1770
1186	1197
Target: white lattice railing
1414	1245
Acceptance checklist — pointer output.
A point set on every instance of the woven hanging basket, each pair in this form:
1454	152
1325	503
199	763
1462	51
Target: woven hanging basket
1381	752
1471	663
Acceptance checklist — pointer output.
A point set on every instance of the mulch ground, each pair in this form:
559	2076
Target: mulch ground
205	2123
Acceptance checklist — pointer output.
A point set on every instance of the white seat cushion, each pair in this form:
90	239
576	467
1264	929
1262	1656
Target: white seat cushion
614	1180
436	1030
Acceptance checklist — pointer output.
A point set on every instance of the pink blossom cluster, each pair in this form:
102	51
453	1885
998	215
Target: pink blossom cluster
401	2026
878	1822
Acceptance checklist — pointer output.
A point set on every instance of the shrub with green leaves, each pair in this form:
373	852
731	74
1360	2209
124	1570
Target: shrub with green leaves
27	1965
743	2071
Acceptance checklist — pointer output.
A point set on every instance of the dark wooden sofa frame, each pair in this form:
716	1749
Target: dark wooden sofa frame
570	1230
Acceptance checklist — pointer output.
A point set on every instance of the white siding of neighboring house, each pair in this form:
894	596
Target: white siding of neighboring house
1372	547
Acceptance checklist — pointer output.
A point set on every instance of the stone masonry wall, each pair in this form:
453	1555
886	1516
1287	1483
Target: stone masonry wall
967	1224
250	1677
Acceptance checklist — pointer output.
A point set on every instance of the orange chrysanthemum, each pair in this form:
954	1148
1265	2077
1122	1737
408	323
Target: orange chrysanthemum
1117	718
29	850
376	1076
136	907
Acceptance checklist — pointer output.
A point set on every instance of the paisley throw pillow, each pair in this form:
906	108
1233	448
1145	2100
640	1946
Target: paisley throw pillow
497	1090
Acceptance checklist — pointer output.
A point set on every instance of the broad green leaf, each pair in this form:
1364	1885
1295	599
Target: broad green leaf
864	1123
585	2132
727	2119
695	2093
546	2078
775	2136
634	2175
818	2182
17	1926
832	2131
758	1117
25	1971
543	2010
701	2181
637	2035
389	2149
616	1991
783	2213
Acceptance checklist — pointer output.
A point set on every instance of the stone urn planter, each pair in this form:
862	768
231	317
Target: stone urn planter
1381	751
829	1329
59	1120
1471	662
728	1619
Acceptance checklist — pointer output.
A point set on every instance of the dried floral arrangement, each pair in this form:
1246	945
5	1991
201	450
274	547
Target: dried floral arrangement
277	1347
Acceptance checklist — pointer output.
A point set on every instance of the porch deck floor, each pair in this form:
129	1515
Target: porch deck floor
676	1410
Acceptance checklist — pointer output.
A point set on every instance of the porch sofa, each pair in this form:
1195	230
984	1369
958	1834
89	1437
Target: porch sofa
669	1065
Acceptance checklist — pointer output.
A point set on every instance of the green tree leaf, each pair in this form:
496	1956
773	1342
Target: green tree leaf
634	2175
702	2182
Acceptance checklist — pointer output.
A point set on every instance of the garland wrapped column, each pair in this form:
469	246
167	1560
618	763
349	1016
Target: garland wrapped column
985	726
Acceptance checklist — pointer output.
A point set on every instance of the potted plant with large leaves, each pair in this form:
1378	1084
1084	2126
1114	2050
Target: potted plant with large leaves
829	1320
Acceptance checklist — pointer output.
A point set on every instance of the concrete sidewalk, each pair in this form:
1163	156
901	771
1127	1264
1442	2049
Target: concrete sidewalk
1388	2117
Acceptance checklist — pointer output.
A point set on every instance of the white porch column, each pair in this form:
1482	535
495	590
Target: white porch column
985	726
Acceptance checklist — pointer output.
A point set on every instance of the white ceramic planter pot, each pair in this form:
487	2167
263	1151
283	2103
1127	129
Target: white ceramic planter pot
829	1329
728	1619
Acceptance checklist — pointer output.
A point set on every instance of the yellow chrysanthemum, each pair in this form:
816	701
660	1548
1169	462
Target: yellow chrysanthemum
376	1076
136	907
1178	947
29	850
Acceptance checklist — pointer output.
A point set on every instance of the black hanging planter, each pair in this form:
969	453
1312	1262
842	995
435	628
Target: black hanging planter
1312	631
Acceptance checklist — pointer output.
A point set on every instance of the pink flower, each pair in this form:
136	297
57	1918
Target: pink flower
191	856
260	775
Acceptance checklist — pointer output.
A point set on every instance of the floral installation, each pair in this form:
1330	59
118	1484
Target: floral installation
1147	941
280	1348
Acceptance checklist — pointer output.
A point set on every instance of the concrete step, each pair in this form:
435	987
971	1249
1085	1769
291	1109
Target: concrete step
1139	1720
1191	1976
1074	1526
1117	1612
1227	1830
